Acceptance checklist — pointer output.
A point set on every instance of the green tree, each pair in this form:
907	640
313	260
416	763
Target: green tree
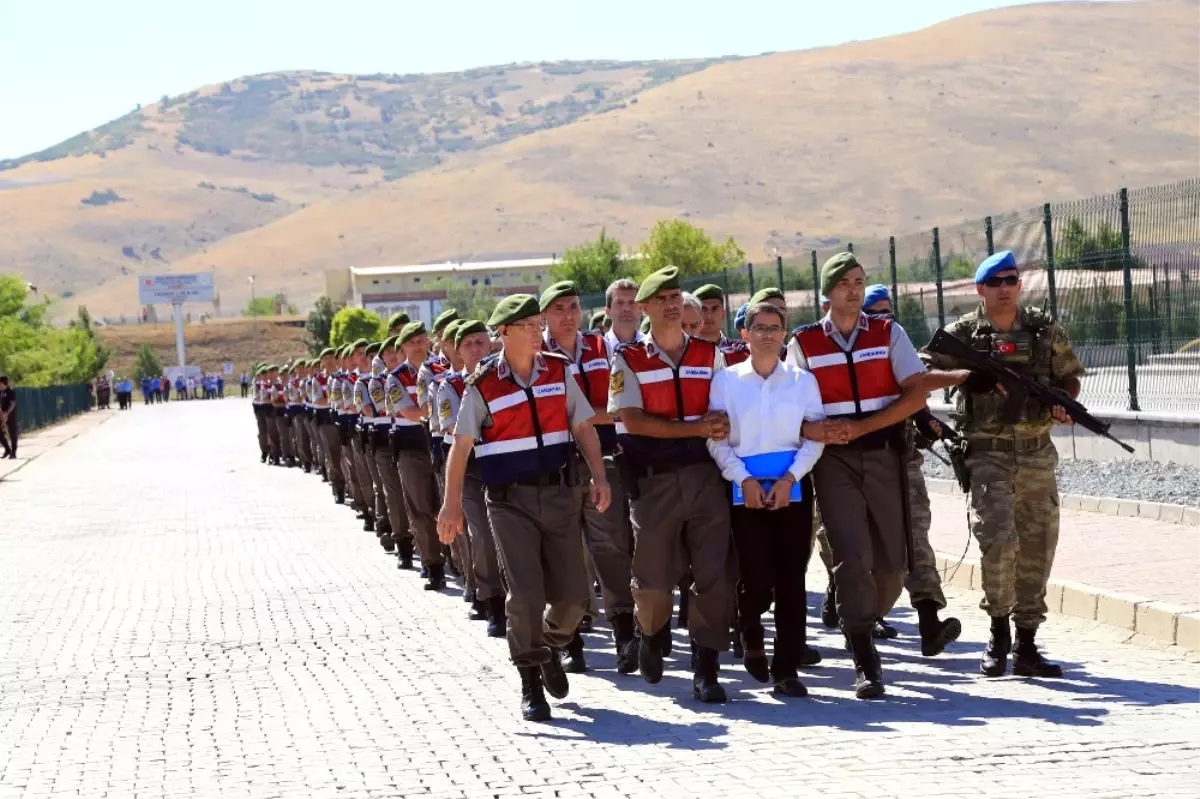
911	316
32	352
351	324
260	306
146	364
318	324
83	322
471	302
1077	247
595	265
678	243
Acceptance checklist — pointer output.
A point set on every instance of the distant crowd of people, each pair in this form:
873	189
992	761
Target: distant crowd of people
158	389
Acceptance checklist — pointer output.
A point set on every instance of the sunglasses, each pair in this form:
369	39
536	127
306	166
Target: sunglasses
997	282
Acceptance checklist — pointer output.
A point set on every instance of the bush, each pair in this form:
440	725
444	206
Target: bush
101	198
351	324
146	364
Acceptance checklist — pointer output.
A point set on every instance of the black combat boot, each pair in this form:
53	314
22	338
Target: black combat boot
586	625
625	639
995	657
263	457
883	630
339	495
868	673
468	596
935	633
809	656
783	675
704	682
369	522
1028	661
387	542
554	678
307	467
755	658
829	611
572	657
437	577
650	654
534	706
497	620
404	553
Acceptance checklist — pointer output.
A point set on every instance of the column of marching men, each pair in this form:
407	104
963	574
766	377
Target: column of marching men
540	465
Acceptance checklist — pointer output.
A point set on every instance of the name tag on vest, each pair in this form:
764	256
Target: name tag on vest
552	390
594	364
872	354
696	372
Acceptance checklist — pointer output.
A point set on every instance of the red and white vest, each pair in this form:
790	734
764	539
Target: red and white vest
530	433
679	393
591	369
857	382
735	350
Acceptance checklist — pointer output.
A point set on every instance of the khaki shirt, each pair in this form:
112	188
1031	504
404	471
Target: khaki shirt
623	388
473	414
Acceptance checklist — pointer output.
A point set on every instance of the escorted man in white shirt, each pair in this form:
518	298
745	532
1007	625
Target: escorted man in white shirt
767	461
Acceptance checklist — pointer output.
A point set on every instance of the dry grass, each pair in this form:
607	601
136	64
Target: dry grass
978	115
209	345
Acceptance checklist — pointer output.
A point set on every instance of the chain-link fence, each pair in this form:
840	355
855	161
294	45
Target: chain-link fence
38	407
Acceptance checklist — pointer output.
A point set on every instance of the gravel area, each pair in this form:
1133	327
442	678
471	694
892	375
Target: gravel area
1142	480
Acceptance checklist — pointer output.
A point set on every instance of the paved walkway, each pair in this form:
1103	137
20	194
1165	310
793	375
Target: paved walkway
178	620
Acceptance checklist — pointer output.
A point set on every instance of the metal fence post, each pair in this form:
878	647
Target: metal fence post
1048	224
1167	307
850	247
750	273
987	231
816	286
892	270
1130	318
937	276
725	290
779	271
1155	330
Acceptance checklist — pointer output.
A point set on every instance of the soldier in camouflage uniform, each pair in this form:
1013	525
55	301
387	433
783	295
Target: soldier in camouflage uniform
1014	493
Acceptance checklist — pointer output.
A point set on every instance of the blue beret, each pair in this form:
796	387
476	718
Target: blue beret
824	300
739	319
995	263
875	293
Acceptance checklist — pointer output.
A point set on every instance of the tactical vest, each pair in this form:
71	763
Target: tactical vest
591	370
530	433
679	393
1028	351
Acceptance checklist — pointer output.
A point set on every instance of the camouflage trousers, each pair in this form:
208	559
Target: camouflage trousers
923	581
1014	504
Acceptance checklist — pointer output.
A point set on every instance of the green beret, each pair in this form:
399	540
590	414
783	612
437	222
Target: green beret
397	320
361	344
259	371
444	318
373	347
328	351
345	351
409	332
466	327
709	291
597	320
514	308
665	278
563	288
645	325
769	293
449	330
835	269
390	342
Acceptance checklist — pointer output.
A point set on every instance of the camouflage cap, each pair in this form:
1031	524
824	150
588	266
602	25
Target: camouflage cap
835	269
709	291
769	293
514	308
467	327
409	332
665	278
444	318
397	320
563	288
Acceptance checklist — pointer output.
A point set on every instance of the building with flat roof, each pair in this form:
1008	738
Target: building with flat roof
419	290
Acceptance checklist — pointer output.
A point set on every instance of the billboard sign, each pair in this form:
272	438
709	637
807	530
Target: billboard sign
169	289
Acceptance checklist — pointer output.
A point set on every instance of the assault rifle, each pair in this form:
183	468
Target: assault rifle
1017	387
955	445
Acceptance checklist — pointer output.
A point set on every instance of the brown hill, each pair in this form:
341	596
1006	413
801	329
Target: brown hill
209	345
980	114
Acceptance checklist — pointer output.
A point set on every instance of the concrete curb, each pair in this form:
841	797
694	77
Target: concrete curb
1109	506
1170	624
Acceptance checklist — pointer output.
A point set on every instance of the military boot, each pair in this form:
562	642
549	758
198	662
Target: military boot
868	673
1028	661
554	678
829	611
586	624
809	656
935	633
786	681
437	578
995	657
479	609
497	620
387	542
704	682
369	522
572	657
404	553
263	457
625	639
534	706
339	495
883	630
650	654
755	658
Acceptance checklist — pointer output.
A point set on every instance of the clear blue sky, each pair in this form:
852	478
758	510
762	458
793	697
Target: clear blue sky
70	65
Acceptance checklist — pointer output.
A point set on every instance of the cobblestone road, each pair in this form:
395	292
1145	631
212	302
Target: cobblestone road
177	620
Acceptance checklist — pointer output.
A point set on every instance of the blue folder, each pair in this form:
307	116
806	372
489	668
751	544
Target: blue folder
766	469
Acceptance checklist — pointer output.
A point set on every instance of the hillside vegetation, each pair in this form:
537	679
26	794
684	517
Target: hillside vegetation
209	345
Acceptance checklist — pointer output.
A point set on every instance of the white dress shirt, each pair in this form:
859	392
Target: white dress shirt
764	416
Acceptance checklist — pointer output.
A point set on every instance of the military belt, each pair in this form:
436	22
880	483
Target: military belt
1008	444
